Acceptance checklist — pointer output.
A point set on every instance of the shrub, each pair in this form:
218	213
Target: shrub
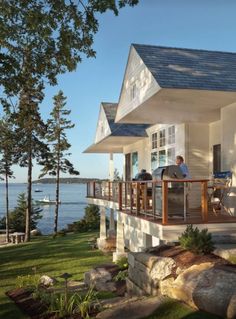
199	242
90	221
122	263
28	281
121	275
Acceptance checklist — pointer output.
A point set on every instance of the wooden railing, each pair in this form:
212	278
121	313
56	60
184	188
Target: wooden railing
164	200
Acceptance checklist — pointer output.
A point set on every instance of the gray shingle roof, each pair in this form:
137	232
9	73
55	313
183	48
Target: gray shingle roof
122	129
189	68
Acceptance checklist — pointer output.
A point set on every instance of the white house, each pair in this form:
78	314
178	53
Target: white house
173	102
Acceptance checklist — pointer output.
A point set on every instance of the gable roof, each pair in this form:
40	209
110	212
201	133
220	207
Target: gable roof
118	129
190	68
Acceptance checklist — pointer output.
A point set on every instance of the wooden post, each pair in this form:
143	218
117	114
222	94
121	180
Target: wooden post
109	191
137	198
145	199
94	189
204	201
131	197
120	196
164	202
153	199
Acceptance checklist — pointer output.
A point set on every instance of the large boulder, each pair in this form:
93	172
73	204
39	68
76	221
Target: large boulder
206	287
101	277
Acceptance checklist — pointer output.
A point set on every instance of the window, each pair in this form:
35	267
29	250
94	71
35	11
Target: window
171	156
162	137
133	91
162	158
171	134
154	161
134	160
154	140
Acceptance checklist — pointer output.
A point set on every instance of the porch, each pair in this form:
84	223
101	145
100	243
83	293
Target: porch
162	202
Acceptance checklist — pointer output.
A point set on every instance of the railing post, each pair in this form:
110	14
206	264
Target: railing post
164	202
131	197
109	191
137	198
153	199
204	201
120	196
94	189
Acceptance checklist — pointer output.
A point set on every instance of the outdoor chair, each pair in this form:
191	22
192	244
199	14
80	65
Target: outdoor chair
219	190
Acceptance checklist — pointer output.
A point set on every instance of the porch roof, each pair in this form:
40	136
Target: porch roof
192	86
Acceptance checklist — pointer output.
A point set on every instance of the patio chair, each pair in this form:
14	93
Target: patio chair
219	190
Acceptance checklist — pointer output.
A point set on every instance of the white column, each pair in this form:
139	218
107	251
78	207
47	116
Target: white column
120	242
103	232
111	167
111	231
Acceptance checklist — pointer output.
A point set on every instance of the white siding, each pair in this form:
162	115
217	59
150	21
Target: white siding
138	74
103	128
197	158
228	147
214	139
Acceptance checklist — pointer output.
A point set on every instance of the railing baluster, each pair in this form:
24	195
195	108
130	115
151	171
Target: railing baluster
153	199
131	198
137	198
120	196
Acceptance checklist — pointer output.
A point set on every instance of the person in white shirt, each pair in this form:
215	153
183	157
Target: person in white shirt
184	168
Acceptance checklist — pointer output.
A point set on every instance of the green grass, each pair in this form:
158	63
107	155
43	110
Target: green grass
53	257
176	310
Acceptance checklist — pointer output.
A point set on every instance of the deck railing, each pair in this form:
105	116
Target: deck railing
166	201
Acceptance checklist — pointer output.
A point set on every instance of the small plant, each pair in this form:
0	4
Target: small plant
86	302
199	242
62	307
29	281
122	263
121	275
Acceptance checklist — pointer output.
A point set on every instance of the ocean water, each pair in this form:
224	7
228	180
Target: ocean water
72	196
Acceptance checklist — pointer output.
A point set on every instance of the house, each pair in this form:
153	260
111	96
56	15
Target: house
173	101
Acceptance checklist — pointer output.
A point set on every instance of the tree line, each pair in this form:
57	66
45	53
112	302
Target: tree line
39	40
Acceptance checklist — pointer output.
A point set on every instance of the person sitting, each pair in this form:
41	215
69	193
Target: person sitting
143	176
182	166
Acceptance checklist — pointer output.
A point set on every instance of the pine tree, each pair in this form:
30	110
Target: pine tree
56	162
7	149
30	132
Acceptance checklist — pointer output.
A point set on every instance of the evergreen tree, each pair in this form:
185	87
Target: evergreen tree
7	149
56	162
30	132
17	216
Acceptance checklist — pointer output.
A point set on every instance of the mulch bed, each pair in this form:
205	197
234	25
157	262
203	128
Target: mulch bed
33	307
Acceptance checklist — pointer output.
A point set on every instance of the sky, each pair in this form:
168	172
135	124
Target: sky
199	24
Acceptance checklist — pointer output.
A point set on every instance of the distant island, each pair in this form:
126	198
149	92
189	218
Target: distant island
65	180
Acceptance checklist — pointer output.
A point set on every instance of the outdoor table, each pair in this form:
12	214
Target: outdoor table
17	237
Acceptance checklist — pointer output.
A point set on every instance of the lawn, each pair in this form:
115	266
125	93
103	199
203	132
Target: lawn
176	310
71	254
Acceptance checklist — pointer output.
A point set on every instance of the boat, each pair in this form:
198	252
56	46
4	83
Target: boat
46	200
38	190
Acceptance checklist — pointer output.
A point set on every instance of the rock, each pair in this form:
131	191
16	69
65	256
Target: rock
35	232
183	286
162	268
166	286
215	291
101	277
133	289
47	281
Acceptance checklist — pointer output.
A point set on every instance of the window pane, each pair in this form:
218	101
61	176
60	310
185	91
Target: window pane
153	161
162	138
171	134
171	156
154	140
162	158
134	164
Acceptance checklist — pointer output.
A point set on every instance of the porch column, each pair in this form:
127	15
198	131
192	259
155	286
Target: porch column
120	242
111	231
111	168
103	233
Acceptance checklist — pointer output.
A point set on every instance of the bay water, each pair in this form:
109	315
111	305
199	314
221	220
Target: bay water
72	196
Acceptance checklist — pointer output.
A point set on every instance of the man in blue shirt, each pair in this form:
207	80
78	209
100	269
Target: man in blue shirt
182	166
